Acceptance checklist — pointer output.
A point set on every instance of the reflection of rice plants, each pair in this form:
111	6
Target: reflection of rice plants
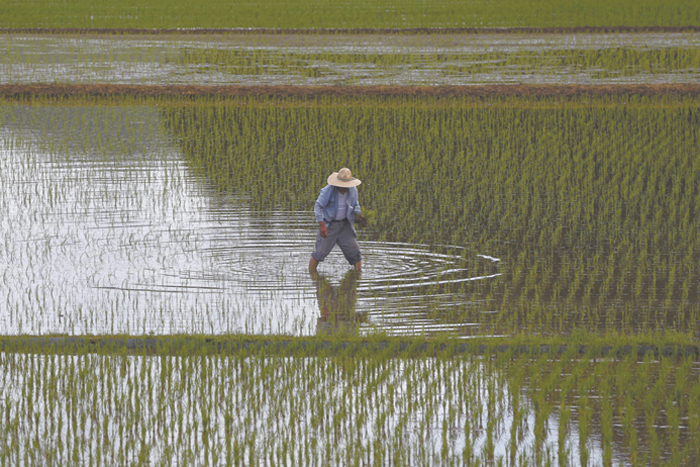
352	59
377	406
612	63
591	205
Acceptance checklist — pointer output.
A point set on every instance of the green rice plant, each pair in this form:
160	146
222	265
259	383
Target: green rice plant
336	14
525	176
606	421
594	232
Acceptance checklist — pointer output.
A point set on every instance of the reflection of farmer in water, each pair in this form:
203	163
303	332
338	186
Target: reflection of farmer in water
336	210
337	304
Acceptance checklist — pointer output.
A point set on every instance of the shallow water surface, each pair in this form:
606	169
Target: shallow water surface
198	219
107	230
427	411
449	59
419	410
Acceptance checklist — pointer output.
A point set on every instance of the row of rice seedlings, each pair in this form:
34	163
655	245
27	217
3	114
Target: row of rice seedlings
379	408
630	402
403	60
339	14
591	208
594	231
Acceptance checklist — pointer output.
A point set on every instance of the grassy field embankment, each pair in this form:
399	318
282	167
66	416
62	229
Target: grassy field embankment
343	14
486	91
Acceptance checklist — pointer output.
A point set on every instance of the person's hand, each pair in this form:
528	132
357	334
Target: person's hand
362	220
323	230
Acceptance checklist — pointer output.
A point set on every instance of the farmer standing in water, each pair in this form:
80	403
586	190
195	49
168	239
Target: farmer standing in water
336	210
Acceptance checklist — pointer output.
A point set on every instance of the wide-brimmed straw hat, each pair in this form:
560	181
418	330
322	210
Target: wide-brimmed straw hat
343	178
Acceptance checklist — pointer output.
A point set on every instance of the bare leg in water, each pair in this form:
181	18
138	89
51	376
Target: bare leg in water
313	264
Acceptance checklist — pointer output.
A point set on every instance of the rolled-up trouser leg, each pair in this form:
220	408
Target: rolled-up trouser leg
347	241
325	245
342	234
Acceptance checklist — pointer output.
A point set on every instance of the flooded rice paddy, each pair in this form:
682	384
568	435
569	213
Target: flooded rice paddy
256	410
444	59
495	217
164	219
114	233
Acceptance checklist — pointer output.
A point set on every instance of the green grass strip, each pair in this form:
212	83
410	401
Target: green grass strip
350	31
668	345
346	14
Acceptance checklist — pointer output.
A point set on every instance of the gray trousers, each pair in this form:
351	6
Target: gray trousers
342	233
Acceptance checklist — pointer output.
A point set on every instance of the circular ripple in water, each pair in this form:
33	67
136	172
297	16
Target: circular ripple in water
274	254
404	288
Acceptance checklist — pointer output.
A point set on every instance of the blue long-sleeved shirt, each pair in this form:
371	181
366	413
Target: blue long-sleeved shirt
327	204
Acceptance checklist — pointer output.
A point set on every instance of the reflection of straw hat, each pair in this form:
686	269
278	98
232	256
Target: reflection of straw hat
343	178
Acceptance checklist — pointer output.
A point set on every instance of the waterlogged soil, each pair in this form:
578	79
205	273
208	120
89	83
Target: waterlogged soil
106	229
535	58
